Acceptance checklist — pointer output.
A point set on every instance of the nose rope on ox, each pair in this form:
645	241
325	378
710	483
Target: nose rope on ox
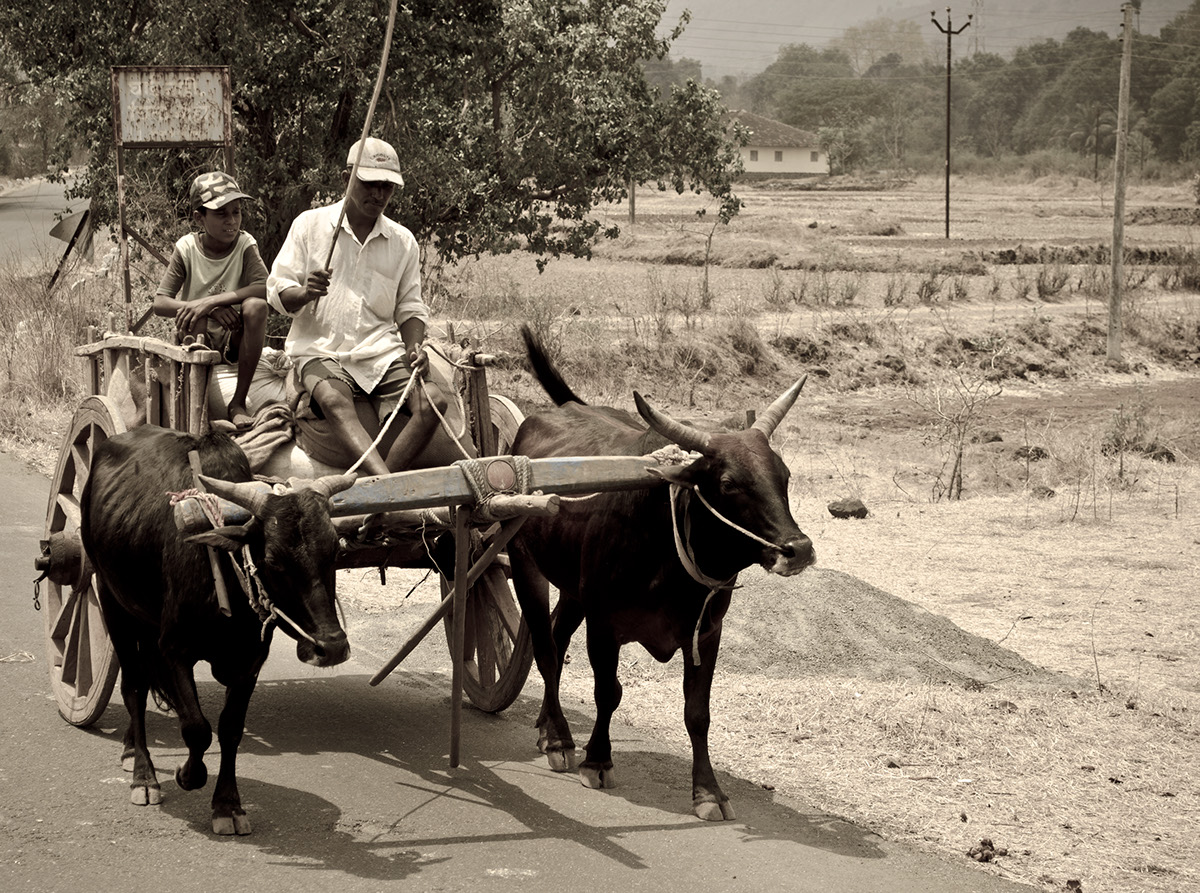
683	548
268	612
266	609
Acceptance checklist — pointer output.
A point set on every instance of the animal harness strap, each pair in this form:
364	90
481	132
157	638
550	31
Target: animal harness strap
267	610
683	548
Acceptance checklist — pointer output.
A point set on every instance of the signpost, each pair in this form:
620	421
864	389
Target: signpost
166	107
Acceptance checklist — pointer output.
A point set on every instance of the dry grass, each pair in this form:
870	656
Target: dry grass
1077	780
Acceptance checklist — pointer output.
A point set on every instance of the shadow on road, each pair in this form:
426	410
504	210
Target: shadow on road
380	800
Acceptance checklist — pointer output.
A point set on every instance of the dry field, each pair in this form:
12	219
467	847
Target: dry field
1018	665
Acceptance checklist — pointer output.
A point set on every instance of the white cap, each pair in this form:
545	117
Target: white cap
379	161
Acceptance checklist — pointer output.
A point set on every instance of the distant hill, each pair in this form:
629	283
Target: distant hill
743	38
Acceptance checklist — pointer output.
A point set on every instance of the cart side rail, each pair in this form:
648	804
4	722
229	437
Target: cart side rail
161	383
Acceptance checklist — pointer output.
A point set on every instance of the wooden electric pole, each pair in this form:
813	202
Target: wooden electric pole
949	32
1118	243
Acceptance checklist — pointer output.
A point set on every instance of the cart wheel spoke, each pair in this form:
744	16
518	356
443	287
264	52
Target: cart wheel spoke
498	652
64	618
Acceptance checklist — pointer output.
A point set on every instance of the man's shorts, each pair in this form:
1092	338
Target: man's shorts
385	396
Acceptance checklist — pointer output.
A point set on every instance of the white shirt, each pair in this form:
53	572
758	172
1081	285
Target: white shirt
375	286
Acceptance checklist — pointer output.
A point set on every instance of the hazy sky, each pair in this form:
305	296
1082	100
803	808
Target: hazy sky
742	38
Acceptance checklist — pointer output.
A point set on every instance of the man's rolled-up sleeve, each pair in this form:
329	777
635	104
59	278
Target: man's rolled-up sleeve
409	304
290	268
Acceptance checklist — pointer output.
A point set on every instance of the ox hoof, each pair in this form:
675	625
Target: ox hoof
562	760
145	794
127	763
238	823
713	812
597	777
191	776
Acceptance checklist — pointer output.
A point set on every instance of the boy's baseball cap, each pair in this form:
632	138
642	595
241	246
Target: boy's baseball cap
379	161
214	190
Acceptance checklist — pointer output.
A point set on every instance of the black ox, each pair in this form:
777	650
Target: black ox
157	592
654	566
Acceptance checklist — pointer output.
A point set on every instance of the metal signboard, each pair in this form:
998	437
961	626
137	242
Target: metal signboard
171	106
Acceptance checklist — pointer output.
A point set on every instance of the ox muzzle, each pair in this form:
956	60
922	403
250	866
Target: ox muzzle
791	557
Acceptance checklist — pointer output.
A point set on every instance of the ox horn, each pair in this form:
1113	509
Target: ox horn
676	432
773	415
247	494
327	485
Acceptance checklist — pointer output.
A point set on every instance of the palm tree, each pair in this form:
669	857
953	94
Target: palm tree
1092	129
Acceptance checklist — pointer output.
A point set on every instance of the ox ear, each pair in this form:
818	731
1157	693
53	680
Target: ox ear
228	538
672	474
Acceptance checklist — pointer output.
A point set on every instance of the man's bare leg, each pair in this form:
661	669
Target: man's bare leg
337	402
416	434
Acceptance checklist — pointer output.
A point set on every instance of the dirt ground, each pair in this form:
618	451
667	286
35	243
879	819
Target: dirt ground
1017	666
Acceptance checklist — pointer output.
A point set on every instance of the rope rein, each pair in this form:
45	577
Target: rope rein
252	585
412	379
683	549
456	437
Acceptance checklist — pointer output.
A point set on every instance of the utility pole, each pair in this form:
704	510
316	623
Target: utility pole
949	32
1118	245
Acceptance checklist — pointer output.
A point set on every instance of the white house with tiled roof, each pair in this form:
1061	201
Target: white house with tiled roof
776	149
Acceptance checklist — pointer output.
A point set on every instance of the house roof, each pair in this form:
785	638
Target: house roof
769	132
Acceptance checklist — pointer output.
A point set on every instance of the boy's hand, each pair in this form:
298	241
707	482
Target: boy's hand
227	317
189	316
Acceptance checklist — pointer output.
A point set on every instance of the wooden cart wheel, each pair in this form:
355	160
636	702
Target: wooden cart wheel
83	663
497	650
506	419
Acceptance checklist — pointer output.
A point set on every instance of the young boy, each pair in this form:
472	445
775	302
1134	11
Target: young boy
216	283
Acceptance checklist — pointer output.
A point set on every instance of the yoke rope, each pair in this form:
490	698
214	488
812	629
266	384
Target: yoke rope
473	471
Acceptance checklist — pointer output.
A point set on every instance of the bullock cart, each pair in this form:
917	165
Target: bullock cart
384	521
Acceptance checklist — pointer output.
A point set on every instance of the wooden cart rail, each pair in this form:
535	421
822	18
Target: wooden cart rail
448	486
175	377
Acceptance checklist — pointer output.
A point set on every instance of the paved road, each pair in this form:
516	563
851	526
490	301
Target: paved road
27	213
349	789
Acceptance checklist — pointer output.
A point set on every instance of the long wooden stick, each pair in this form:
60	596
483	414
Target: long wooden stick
387	48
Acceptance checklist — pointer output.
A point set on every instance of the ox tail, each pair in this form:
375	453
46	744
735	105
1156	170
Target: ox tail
558	390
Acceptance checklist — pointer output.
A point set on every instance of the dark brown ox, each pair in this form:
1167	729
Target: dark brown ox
157	592
655	566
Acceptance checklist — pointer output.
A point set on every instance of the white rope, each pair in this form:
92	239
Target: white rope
739	529
267	610
445	422
683	549
386	424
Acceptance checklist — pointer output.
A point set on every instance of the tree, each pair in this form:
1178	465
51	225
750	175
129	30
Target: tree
797	69
514	118
876	39
1173	109
1092	129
